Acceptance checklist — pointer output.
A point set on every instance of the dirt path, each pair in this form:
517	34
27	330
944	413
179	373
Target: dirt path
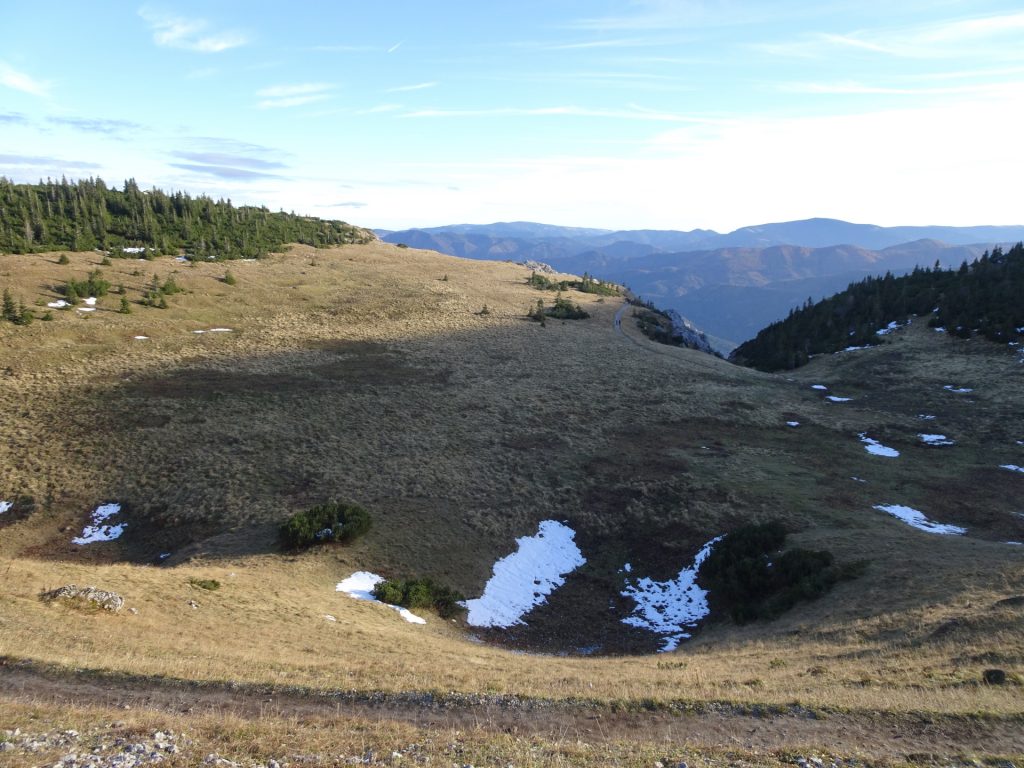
869	735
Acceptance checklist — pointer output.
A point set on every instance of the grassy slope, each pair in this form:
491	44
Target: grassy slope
360	374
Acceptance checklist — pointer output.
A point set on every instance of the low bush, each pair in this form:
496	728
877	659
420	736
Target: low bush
332	521
748	575
420	593
210	585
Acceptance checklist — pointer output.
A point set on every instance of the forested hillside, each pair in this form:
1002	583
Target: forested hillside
88	214
985	298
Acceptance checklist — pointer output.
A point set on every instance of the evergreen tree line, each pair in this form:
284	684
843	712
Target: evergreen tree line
985	297
87	214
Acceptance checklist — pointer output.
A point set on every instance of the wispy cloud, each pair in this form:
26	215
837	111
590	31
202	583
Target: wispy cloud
632	113
226	159
225	171
347	204
41	161
96	125
395	47
857	89
415	87
22	81
14	118
945	39
280	96
189	34
670	14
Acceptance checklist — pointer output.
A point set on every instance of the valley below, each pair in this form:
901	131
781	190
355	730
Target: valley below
413	384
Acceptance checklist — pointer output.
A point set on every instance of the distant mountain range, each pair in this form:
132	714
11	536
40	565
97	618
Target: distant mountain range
730	285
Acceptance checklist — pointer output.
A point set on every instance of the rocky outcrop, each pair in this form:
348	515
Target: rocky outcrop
690	337
86	596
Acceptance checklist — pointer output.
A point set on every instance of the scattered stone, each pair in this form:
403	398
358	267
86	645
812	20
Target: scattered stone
193	604
86	596
994	677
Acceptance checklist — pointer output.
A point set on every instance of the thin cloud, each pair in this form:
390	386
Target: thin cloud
41	161
96	125
22	81
633	113
347	204
282	96
223	159
669	14
15	118
946	39
189	34
225	172
415	87
395	47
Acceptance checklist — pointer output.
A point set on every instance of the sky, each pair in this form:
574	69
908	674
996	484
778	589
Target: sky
616	114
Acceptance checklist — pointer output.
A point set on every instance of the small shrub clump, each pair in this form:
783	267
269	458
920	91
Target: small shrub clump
332	521
420	593
749	576
210	585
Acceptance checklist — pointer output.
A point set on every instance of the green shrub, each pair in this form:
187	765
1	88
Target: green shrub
211	585
420	593
229	279
93	285
63	259
749	576
325	522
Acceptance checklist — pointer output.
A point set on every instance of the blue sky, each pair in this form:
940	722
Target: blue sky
670	114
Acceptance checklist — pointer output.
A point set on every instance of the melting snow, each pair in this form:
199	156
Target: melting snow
90	302
98	530
917	520
821	387
958	390
5	505
141	338
858	479
221	330
1016	543
834	399
792	423
935	440
86	309
855	349
1011	467
523	579
875	448
360	586
925	417
888	329
939	329
133	249
58	304
669	608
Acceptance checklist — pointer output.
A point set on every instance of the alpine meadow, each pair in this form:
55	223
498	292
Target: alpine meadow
657	486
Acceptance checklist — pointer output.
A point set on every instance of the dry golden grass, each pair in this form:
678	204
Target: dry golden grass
360	374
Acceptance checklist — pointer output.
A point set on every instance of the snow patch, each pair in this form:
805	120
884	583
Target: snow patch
133	249
854	349
669	608
916	519
1015	543
834	399
939	329
90	302
893	326
221	330
958	390
820	387
925	417
858	479
5	505
140	338
97	530
86	309
360	587
1011	467
58	304
875	448
792	423
936	440
524	579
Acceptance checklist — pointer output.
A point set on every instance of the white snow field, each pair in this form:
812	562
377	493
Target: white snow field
524	579
1011	467
935	439
916	519
875	448
360	587
669	608
98	530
